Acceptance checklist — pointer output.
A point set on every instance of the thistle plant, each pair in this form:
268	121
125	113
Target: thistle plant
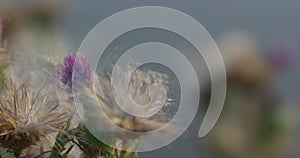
65	72
27	116
140	84
76	76
80	74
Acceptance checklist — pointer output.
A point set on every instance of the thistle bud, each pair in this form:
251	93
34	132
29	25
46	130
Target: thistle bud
81	71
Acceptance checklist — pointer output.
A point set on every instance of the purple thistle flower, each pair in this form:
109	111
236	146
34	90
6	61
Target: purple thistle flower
82	70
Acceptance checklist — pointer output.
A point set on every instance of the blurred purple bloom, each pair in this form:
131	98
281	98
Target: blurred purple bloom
282	55
82	70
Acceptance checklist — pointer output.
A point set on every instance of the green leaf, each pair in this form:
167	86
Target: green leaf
68	151
61	140
5	153
109	152
131	155
94	142
41	151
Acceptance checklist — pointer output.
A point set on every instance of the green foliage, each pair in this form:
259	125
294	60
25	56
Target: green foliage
5	153
62	139
108	151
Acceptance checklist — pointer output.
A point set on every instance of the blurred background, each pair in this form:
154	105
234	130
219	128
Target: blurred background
258	41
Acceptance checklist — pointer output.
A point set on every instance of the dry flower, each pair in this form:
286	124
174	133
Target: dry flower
27	116
98	104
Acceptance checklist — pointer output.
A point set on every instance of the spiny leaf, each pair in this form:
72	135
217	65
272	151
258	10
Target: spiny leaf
61	140
5	153
68	151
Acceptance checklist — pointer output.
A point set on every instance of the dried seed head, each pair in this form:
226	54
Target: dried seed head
138	88
27	116
100	112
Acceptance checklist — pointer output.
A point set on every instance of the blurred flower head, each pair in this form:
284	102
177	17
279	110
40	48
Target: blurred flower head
244	60
282	54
